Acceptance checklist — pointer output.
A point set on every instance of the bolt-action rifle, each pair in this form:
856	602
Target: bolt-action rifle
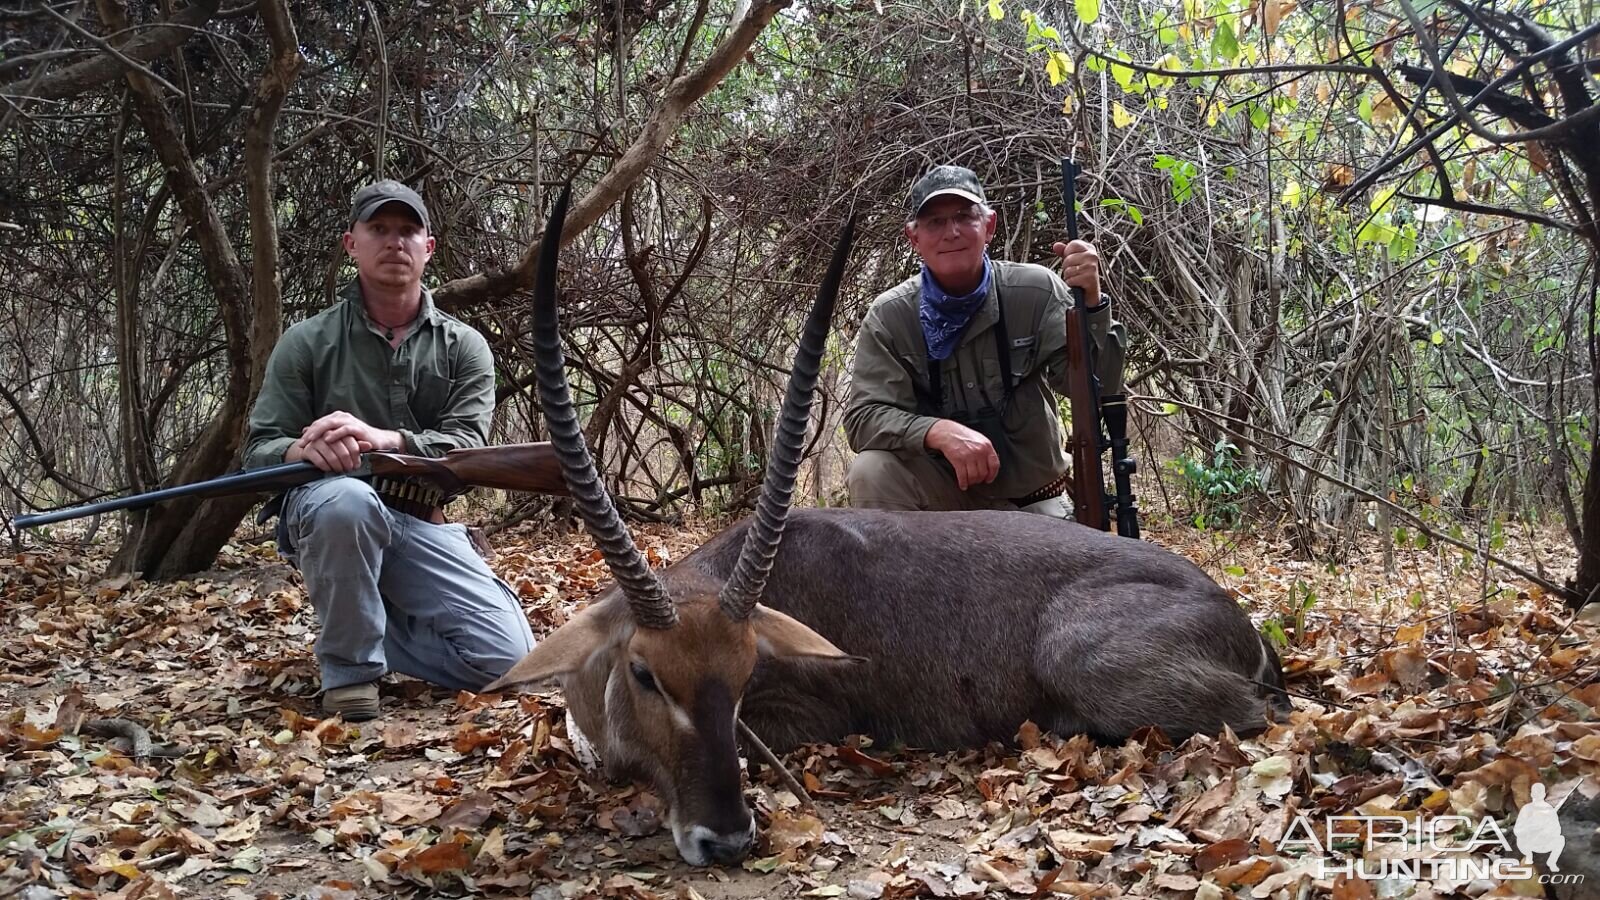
530	468
1092	504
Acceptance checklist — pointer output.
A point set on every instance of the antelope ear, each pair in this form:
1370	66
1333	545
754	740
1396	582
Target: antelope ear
780	635
565	650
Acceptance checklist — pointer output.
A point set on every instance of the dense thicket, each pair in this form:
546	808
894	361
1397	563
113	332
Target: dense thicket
1353	242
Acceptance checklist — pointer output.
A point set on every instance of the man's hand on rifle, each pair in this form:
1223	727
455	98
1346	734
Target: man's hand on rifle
335	442
969	452
1080	268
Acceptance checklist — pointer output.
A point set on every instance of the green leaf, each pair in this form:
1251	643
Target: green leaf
1234	570
1292	193
1437	338
1377	231
1123	76
1225	43
1088	10
996	11
1273	630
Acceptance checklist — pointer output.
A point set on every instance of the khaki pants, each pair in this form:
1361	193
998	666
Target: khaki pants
880	479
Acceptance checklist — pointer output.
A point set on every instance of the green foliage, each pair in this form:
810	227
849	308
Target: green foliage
1181	173
1129	209
1216	486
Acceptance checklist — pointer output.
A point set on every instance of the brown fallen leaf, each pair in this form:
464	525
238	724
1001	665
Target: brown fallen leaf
240	832
408	809
511	757
1171	881
469	738
1347	888
1028	736
445	856
469	812
1248	872
1222	853
1080	844
1086	889
856	758
793	831
1407	665
333	890
399	734
144	887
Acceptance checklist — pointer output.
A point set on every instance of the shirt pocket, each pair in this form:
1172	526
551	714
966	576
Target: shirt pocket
1024	354
428	398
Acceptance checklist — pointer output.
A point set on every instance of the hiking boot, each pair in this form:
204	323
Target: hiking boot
354	702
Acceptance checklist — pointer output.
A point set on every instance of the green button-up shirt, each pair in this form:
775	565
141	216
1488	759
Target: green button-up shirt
436	388
889	375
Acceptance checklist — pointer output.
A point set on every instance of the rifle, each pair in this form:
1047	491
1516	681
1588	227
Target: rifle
1092	503
530	468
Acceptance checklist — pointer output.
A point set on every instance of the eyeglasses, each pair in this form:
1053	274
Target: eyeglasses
968	219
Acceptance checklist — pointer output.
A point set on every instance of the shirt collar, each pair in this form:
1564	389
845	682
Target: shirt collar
351	294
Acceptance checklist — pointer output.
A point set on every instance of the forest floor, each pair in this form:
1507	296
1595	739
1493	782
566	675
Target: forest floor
1425	689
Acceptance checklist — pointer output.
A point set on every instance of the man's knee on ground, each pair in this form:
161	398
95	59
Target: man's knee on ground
495	654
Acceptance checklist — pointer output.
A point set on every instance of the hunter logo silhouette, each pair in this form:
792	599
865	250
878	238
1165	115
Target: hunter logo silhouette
1538	829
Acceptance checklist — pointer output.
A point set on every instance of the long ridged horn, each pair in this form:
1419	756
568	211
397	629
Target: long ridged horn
646	595
749	578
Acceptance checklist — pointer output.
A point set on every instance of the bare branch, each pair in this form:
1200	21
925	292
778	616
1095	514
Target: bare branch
150	45
675	102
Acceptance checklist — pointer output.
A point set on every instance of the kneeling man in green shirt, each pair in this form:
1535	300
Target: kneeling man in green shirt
957	370
396	589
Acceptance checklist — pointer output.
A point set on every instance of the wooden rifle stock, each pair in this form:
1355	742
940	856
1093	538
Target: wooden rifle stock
528	468
1088	487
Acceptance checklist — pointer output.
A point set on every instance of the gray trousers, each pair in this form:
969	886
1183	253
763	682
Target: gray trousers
881	479
396	594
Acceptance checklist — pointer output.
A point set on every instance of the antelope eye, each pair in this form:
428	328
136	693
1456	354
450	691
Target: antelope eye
643	676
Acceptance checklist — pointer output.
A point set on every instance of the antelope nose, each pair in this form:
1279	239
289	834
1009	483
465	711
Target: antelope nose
726	849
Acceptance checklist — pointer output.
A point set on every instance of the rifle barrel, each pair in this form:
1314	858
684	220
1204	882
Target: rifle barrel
268	478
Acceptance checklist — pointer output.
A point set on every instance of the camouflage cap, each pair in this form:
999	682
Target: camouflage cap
374	196
943	180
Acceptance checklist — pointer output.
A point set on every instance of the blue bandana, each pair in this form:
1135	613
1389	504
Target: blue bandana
944	317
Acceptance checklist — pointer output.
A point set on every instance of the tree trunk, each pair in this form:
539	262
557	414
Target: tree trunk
1586	581
184	536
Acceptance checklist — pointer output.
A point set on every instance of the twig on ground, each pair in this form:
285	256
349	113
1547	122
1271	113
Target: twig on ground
772	760
138	738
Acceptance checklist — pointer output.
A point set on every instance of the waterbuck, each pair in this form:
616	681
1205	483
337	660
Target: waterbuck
939	630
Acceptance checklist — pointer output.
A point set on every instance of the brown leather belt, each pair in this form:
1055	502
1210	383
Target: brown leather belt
1053	489
413	498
